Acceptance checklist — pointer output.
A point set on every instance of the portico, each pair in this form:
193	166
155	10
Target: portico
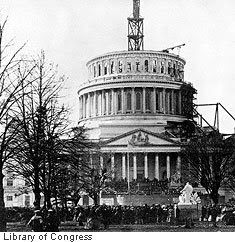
140	155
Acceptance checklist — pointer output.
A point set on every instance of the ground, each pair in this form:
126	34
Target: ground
72	227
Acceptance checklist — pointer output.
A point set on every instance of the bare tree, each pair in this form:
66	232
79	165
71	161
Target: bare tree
210	160
10	89
40	122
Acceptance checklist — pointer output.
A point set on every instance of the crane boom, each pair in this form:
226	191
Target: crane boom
172	48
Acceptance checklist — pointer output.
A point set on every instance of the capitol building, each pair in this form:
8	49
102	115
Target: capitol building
133	105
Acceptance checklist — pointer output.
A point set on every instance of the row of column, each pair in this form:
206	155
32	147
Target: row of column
99	103
126	169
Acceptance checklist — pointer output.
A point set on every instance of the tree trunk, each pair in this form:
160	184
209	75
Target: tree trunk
37	191
96	198
3	224
215	197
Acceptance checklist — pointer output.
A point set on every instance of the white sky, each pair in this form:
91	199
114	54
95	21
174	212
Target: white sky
73	31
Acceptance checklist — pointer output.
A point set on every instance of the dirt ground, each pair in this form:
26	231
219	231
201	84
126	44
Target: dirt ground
73	227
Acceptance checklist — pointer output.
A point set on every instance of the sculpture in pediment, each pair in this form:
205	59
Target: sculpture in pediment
139	139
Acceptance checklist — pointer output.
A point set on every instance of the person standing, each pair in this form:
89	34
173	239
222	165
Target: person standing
52	221
214	214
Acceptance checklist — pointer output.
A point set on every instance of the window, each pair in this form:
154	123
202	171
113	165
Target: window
120	66
94	71
128	66
119	102
169	68
128	101
137	66
112	67
148	100
105	69
9	182
138	101
154	66
9	198
162	67
27	201
146	65
99	70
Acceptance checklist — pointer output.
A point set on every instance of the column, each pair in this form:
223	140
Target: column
154	100
112	165
115	103
172	102
123	166
146	175
102	103
94	104
178	165
101	162
168	167
112	104
107	103
164	100
180	100
134	167
144	99
84	105
133	99
123	103
89	105
168	102
157	175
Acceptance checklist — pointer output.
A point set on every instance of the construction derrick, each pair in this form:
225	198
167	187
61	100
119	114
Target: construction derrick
135	29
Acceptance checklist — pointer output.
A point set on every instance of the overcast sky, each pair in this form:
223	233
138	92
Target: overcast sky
73	31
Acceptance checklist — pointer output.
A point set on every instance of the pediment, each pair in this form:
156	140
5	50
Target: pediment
139	138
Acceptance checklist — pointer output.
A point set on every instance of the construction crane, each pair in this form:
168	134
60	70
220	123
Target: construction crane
172	48
136	9
135	29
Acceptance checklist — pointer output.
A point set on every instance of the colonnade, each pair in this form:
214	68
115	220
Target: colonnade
130	100
125	165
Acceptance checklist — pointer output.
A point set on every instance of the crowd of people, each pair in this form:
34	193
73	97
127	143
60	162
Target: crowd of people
95	217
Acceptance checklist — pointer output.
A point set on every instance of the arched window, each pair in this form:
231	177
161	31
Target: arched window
154	66
169	68
94	71
146	65
119	101
148	100
128	66
99	70
138	101
120	66
137	66
105	69
112	67
128	101
162	67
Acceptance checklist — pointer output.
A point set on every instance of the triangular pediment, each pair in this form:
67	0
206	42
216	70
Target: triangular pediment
139	137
